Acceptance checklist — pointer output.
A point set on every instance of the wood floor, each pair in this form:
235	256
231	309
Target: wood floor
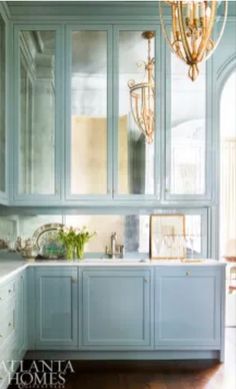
157	375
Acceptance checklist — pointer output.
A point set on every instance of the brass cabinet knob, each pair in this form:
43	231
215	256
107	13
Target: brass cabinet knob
146	280
9	324
188	273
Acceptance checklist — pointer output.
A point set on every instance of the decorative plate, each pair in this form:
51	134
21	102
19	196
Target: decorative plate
46	241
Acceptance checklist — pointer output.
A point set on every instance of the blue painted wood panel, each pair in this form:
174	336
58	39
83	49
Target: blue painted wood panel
187	307
56	308
21	315
117	309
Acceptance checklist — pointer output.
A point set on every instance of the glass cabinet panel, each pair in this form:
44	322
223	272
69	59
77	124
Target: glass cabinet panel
89	136
2	107
186	151
37	113
135	154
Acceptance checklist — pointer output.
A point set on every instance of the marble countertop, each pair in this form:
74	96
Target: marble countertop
9	268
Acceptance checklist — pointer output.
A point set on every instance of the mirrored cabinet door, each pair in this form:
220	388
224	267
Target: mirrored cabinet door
186	132
2	107
136	113
89	127
37	119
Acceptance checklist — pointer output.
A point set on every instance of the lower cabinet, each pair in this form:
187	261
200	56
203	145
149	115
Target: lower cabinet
188	307
116	309
56	308
158	308
13	320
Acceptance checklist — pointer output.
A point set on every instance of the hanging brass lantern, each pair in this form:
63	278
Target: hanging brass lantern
193	36
142	95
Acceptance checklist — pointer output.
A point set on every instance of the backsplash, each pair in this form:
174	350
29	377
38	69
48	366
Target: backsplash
132	230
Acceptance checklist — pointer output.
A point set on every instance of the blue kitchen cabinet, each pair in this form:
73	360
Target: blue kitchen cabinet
188	307
56	308
116	309
13	320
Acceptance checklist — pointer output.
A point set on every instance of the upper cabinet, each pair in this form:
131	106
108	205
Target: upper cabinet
38	121
84	105
2	107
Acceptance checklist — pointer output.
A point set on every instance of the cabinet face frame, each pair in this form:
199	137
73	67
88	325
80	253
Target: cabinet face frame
67	137
59	118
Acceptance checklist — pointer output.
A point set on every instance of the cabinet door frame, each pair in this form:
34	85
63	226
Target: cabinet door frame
56	344
72	198
194	272
209	145
159	113
39	199
85	343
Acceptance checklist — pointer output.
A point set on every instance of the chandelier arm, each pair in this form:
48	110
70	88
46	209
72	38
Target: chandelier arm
205	40
135	117
164	30
182	32
174	25
221	32
144	110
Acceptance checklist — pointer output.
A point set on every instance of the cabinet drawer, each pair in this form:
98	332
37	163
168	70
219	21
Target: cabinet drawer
7	324
7	291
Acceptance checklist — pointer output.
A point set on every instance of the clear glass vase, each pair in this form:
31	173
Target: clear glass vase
80	251
70	252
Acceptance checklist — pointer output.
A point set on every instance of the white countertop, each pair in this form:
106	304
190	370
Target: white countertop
9	268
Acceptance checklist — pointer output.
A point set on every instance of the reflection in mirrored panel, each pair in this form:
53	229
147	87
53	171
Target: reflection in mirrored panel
193	235
89	113
2	106
37	112
133	231
188	111
135	154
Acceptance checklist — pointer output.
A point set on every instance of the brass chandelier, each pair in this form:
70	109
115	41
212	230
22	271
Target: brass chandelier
193	36
142	95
